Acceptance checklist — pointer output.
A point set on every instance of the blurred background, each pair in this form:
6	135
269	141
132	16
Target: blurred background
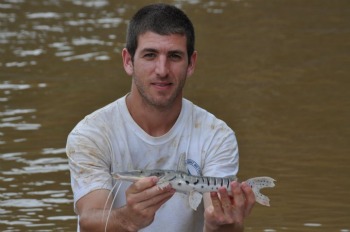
277	71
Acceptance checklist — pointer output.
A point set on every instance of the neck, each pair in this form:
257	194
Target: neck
154	121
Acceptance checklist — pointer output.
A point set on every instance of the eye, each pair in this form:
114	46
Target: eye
149	55
175	56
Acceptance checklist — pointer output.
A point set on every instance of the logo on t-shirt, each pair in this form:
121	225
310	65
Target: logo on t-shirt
193	168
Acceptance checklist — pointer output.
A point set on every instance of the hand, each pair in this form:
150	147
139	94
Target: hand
143	199
228	212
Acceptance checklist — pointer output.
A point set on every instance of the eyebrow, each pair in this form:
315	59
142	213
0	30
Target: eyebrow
148	50
145	50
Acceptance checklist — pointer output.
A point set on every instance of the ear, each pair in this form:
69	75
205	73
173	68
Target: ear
127	62
192	64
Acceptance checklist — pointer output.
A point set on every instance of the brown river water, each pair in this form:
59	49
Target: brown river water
278	71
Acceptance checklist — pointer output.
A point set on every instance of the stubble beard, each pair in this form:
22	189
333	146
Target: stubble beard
159	102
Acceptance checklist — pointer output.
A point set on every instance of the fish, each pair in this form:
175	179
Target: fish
194	186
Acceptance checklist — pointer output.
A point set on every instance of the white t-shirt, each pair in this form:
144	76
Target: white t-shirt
109	140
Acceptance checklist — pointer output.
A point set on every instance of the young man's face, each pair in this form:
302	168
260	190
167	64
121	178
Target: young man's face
160	68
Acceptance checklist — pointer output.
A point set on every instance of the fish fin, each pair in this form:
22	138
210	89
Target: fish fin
232	177
163	182
194	199
258	183
181	165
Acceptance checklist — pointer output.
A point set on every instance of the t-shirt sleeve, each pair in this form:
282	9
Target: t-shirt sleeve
88	160
222	157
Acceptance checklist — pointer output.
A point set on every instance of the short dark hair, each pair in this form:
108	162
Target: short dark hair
162	19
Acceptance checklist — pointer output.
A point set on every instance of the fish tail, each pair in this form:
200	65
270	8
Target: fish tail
258	183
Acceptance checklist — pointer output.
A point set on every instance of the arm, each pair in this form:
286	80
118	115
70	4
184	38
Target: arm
143	199
226	213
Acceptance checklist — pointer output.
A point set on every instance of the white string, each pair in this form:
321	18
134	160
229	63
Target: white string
110	209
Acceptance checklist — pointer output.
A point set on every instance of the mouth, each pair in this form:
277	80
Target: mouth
162	85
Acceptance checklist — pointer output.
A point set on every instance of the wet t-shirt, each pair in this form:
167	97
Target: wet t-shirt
109	140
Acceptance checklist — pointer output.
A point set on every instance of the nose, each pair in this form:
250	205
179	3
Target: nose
162	68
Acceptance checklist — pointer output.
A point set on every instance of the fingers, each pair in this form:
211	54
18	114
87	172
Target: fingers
225	201
144	194
155	199
213	214
237	194
250	198
230	207
215	200
143	184
143	199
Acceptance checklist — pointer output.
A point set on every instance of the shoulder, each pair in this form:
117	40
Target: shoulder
106	113
204	119
100	121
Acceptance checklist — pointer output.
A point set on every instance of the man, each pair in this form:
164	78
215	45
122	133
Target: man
150	128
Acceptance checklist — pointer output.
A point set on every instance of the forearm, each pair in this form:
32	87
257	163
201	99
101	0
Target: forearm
105	220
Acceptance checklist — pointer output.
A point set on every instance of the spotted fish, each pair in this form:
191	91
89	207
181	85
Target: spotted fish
195	186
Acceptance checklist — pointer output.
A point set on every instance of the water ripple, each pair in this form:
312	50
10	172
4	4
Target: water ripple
21	126
41	183
10	112
41	15
7	85
48	192
46	151
88	56
53	160
62	218
11	156
37	169
23	203
23	53
58	200
91	3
